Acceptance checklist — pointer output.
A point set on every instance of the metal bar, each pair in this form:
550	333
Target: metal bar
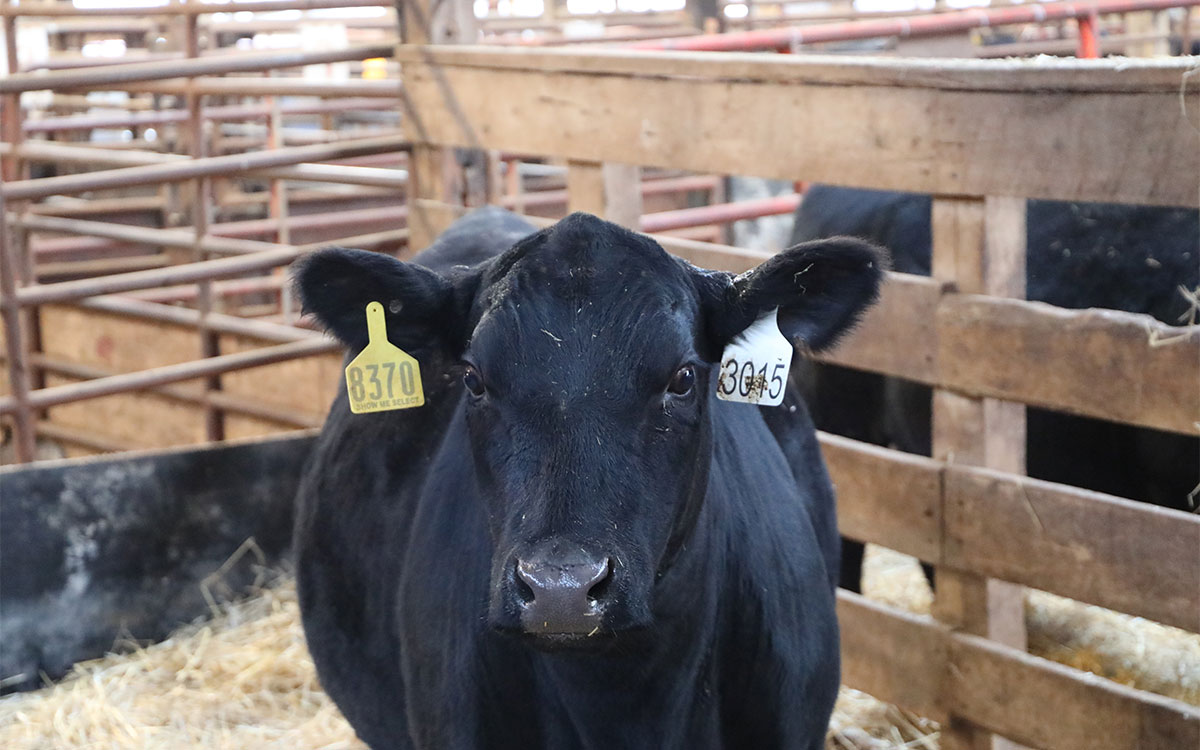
720	213
210	167
63	394
188	317
46	10
180	237
240	405
940	23
210	269
74	436
39	294
58	153
184	292
100	77
390	89
225	238
223	114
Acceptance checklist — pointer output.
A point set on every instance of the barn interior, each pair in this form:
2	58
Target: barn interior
163	163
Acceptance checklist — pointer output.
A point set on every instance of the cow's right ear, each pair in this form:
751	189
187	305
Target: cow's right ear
420	305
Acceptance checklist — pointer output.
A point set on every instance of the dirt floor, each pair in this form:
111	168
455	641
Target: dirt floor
244	679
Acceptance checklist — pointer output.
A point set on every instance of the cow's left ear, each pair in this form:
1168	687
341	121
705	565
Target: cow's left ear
422	308
821	289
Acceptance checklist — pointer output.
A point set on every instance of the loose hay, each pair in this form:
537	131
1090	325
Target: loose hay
245	679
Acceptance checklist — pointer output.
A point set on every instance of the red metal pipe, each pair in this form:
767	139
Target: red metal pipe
1089	46
932	25
721	213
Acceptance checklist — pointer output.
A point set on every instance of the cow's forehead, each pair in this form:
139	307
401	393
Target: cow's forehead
589	264
572	326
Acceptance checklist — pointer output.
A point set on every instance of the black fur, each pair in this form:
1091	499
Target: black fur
718	626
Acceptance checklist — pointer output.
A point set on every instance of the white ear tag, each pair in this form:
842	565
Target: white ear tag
754	366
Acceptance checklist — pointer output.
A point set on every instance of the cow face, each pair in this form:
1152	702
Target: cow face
585	355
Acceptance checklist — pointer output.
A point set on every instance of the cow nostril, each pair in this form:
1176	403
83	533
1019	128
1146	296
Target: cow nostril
524	590
599	589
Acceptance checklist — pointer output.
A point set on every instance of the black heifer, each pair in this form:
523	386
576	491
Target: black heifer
1131	258
573	543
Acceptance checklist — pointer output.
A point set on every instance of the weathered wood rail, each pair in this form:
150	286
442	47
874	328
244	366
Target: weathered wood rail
981	137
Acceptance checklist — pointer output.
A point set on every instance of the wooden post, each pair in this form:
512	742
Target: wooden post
24	435
979	247
22	327
610	191
434	174
1148	23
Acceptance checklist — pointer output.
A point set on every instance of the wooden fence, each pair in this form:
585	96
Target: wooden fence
981	137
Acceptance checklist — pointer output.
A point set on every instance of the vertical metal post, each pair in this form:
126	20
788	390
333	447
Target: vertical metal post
214	418
278	206
1088	47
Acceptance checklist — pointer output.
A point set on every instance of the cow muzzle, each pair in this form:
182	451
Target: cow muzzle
561	590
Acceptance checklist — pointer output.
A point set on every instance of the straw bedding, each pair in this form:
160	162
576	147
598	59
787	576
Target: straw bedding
244	679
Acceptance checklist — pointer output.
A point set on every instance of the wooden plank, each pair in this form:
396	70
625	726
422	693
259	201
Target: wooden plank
1118	366
434	181
920	665
1048	705
898	335
1116	553
1019	76
610	191
927	128
895	656
885	496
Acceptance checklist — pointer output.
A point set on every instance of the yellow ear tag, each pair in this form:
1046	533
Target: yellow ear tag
382	377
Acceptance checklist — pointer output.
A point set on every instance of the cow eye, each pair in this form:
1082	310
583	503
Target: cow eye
683	381
472	381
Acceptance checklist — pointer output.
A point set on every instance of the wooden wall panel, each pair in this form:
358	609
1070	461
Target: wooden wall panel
1116	553
1099	363
980	129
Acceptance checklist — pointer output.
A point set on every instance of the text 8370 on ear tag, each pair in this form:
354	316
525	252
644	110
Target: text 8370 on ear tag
382	377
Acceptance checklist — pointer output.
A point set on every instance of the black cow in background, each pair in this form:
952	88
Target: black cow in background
1131	258
573	543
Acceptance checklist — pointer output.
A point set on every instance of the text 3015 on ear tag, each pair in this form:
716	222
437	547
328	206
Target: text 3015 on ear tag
754	366
382	377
